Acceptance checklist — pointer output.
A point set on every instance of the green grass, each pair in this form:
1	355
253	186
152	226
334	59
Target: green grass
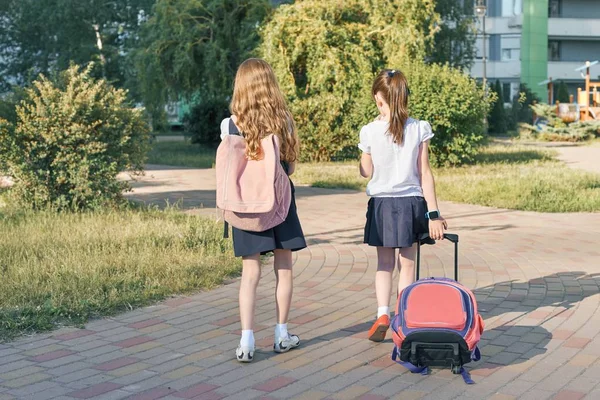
503	176
62	269
182	154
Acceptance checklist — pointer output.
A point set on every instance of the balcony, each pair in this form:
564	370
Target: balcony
502	25
574	28
564	70
497	69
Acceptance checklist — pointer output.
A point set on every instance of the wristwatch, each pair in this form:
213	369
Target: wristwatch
433	214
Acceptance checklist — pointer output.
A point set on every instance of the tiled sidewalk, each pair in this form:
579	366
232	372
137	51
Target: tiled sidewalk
537	278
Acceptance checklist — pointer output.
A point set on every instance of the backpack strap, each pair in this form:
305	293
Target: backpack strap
233	129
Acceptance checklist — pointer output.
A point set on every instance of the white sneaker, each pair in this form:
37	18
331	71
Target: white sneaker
244	354
286	344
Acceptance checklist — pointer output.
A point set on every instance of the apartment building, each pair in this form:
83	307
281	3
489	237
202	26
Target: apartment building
529	41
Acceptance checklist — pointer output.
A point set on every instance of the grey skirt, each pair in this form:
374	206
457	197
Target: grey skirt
395	221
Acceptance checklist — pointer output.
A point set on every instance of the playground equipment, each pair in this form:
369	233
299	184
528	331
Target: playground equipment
590	109
587	107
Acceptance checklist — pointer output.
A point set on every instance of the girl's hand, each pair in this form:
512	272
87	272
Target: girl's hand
437	228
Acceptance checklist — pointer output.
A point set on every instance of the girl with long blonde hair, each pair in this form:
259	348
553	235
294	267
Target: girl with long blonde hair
258	109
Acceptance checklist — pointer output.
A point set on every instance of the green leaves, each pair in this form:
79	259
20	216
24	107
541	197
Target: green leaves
326	54
72	137
192	48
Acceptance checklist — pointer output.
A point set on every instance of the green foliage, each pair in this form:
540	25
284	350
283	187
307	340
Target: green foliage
521	107
50	34
497	118
192	48
563	93
455	41
555	128
326	55
72	137
203	122
454	105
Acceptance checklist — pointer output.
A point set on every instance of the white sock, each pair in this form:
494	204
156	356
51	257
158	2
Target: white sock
247	338
281	331
385	310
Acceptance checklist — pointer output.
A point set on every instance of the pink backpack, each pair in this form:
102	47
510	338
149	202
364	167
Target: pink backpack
253	195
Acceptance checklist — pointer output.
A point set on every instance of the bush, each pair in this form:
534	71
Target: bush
497	117
326	55
454	105
521	108
72	137
204	120
556	129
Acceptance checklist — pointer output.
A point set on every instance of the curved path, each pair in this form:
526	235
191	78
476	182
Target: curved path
536	276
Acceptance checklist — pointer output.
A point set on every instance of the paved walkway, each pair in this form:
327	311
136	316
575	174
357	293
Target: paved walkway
536	276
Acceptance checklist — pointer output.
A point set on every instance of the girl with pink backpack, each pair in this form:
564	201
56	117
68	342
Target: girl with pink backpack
258	152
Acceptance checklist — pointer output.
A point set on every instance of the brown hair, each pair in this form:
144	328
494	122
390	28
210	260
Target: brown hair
393	88
260	109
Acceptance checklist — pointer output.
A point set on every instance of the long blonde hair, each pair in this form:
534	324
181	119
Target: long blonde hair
260	109
393	87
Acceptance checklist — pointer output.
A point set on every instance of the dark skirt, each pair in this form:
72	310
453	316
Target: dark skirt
395	221
286	236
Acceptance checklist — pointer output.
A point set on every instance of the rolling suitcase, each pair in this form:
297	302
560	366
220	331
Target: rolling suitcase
437	323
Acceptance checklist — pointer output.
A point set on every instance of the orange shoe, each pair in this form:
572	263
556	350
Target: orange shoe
379	329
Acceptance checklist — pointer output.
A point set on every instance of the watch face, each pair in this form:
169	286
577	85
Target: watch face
434	214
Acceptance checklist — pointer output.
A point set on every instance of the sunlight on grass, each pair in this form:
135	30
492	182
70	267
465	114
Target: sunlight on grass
66	268
182	154
505	176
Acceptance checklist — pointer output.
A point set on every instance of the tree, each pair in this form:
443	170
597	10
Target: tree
326	54
455	41
45	36
192	48
563	93
521	108
497	117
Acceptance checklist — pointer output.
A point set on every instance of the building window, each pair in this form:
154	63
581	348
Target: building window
511	54
554	8
507	92
553	50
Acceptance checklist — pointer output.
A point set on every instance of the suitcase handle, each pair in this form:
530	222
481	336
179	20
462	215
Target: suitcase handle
449	236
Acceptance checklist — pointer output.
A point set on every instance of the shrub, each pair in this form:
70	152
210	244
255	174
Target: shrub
72	137
326	55
557	129
497	117
204	119
522	104
454	105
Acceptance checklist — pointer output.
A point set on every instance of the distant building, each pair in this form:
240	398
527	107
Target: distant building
531	40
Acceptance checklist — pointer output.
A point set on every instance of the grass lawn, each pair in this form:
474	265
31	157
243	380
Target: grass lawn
181	153
66	268
504	176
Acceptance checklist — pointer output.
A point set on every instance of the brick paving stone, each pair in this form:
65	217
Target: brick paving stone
26	380
312	395
196	390
153	394
95	390
568	395
21	372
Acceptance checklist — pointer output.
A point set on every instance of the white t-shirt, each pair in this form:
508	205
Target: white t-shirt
395	170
